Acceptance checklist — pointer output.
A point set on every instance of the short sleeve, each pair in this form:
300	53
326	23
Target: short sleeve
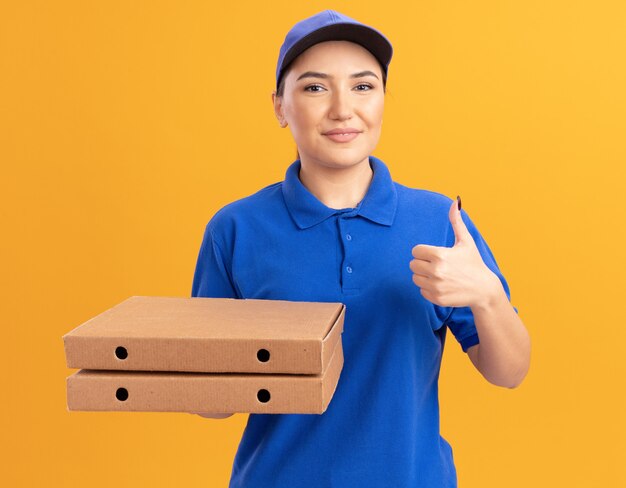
212	277
460	320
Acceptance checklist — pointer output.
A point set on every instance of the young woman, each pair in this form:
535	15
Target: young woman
408	263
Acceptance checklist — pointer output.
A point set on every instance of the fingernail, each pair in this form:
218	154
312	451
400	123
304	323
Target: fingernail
458	199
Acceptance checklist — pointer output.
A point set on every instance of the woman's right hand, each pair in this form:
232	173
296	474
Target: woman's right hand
208	415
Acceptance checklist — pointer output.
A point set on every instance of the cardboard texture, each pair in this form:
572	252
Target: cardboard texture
218	355
204	392
214	335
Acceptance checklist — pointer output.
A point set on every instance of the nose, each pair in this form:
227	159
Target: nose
341	105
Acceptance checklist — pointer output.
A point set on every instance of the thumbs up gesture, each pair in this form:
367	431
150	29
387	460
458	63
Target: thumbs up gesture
453	276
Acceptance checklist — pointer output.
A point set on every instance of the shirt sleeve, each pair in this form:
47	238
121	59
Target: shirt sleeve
212	277
460	320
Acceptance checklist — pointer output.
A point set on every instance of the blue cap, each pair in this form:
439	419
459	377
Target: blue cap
330	25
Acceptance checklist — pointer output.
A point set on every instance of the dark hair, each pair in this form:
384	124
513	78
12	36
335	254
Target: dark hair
280	91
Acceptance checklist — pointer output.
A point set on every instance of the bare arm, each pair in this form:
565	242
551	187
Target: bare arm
503	354
457	276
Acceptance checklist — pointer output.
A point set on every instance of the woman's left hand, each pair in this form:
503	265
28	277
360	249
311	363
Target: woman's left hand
454	276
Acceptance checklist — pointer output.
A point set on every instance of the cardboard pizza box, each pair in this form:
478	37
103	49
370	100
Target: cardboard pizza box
96	390
211	335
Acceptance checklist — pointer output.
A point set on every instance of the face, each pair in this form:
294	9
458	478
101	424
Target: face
333	85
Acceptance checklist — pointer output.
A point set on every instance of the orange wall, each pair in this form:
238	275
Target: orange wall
125	125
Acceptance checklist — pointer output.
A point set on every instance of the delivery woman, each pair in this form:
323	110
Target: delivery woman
409	264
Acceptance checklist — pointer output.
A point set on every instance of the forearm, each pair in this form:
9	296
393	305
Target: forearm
504	350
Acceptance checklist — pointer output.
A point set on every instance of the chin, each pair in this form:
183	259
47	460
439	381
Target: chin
346	157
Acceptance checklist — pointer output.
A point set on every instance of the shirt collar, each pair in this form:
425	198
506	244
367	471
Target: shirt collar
378	205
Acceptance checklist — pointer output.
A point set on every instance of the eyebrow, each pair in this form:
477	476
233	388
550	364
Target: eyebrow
317	74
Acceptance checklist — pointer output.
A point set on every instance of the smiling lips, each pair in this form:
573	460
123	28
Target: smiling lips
342	134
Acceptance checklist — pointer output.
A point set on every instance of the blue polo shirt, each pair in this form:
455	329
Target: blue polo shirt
381	428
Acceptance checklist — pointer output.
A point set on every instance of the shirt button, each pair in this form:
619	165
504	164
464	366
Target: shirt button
348	237
348	269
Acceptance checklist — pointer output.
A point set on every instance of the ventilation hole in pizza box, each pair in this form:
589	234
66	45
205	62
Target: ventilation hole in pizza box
263	396
121	352
121	394
263	355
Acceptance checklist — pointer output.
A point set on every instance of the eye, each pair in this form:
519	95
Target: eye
367	85
306	88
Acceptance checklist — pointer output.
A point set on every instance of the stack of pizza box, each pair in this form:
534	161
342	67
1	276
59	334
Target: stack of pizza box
217	355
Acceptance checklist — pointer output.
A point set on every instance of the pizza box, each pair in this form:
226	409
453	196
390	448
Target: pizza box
100	390
208	335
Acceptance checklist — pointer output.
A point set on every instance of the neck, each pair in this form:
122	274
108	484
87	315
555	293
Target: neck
337	187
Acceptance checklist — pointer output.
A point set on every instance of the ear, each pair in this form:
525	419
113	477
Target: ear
278	109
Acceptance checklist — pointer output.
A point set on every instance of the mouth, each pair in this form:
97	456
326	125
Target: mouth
344	137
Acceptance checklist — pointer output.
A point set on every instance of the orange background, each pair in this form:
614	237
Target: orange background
125	125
